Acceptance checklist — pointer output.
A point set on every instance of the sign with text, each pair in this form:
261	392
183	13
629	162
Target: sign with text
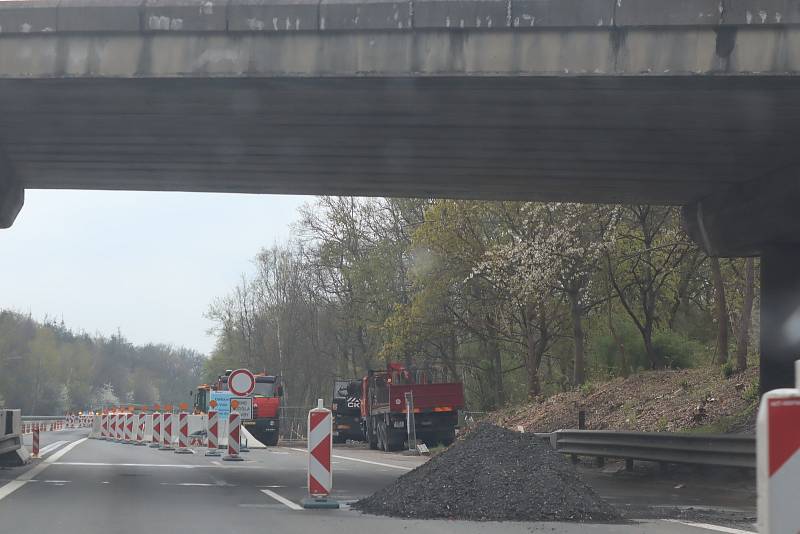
224	398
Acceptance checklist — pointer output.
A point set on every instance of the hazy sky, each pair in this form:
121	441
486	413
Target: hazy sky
147	263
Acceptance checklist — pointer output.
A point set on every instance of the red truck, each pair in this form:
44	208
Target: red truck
384	413
265	424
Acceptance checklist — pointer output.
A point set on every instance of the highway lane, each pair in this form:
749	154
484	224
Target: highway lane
99	487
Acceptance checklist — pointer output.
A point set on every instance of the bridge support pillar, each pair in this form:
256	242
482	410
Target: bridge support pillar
780	315
12	196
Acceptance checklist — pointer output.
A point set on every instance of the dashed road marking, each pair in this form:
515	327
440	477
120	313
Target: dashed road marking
361	461
708	526
282	500
52	447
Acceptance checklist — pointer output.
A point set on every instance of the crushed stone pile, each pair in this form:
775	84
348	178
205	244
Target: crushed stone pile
493	474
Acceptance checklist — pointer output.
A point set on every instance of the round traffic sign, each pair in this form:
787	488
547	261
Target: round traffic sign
241	382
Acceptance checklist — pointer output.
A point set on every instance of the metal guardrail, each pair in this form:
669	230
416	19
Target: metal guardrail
706	449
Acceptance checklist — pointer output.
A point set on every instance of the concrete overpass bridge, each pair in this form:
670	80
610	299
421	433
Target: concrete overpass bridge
687	102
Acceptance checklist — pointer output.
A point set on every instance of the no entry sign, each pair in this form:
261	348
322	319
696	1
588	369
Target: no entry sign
241	382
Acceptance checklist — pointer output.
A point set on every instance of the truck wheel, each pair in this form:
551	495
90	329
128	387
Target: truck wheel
448	437
394	441
372	439
272	440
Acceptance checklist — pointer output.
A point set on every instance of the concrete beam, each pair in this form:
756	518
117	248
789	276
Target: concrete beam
747	218
12	197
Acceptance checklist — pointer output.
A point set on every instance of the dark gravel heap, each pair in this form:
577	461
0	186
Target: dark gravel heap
492	474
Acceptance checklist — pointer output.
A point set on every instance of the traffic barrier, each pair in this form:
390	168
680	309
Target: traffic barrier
35	450
234	424
183	434
778	459
129	430
104	426
140	419
320	445
154	441
212	433
166	432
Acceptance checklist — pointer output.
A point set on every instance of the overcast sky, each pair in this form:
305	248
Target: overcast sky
147	263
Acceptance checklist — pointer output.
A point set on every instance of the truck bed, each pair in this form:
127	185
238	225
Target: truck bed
427	397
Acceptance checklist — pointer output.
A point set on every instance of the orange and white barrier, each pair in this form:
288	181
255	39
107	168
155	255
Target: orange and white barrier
212	433
140	419
778	459
166	432
234	437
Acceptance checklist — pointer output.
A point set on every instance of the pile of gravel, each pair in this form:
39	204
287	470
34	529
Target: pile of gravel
493	474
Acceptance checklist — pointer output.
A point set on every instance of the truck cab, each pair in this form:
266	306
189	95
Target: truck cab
346	407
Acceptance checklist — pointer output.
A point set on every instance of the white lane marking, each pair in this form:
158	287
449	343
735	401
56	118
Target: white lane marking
58	454
362	461
108	464
52	447
708	526
30	474
201	484
281	500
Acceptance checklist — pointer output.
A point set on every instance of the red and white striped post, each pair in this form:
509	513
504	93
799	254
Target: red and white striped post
778	459
130	432
35	451
212	432
156	438
166	430
115	419
234	435
104	426
140	419
183	432
320	445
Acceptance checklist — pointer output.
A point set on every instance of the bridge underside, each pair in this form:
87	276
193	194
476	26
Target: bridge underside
599	139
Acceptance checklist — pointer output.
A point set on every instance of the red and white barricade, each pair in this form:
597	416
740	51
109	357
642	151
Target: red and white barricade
166	432
104	426
140	420
320	446
183	434
155	440
212	433
35	449
778	459
129	429
234	437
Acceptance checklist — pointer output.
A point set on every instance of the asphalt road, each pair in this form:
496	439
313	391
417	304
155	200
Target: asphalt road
97	487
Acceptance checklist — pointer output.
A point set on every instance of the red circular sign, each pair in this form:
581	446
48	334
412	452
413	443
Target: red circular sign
241	382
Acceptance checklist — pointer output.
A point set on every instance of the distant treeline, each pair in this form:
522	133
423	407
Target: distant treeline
46	369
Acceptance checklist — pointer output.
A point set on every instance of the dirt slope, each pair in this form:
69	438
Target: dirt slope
652	401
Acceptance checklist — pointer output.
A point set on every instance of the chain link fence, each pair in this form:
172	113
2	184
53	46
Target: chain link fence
293	422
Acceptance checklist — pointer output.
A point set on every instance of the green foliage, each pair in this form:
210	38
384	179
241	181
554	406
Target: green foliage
46	369
678	351
728	369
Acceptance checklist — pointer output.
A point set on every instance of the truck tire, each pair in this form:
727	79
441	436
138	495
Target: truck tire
448	437
372	439
272	440
395	440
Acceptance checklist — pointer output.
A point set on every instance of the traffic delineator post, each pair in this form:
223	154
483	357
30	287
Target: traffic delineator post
130	431
212	431
166	430
35	448
118	420
156	438
234	434
140	421
183	432
778	459
320	468
104	426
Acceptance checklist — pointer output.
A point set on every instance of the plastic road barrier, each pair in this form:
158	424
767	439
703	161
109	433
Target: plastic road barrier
778	459
129	429
320	446
140	420
183	434
104	426
35	450
212	433
166	432
154	441
234	435
118	426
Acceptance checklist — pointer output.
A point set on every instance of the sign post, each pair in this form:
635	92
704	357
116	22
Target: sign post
234	427
320	446
778	459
